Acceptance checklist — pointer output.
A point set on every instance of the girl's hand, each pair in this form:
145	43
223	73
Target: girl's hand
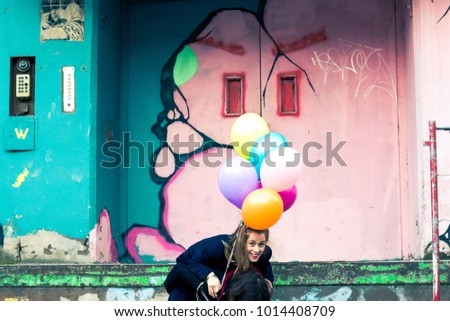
213	284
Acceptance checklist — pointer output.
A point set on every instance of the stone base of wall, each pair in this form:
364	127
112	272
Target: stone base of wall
281	293
319	281
83	294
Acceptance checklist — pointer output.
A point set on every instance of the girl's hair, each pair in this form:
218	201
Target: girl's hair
248	286
238	240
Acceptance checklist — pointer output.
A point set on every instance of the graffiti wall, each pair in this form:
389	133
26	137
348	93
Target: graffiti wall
131	176
330	87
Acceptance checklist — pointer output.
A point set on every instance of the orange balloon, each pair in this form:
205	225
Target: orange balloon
262	208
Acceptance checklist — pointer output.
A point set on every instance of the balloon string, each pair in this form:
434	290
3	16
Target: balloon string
232	251
260	72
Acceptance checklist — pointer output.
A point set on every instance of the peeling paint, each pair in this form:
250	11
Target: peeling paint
89	297
342	294
46	246
130	294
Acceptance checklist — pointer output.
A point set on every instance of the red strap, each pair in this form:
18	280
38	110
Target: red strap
224	284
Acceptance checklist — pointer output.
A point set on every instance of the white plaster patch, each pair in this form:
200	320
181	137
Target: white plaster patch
361	296
342	294
47	246
89	297
129	294
400	292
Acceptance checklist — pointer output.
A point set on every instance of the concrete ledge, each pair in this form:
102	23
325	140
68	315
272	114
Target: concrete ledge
286	274
360	273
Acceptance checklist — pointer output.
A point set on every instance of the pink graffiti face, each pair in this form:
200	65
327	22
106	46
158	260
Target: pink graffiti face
231	63
225	70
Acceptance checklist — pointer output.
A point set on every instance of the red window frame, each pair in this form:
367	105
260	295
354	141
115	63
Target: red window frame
289	94
233	88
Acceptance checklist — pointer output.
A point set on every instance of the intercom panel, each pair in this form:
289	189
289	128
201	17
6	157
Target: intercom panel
23	86
22	75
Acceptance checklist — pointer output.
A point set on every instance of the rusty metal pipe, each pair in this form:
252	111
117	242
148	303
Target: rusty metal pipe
434	208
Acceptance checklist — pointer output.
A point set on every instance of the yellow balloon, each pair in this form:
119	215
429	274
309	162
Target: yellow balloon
245	131
262	208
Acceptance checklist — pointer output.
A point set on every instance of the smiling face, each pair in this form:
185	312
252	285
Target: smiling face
256	243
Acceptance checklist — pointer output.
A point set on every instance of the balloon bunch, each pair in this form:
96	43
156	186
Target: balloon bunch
261	180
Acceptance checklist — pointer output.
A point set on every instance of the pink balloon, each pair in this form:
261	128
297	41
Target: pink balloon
288	197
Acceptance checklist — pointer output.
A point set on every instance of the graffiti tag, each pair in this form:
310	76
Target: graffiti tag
21	178
367	63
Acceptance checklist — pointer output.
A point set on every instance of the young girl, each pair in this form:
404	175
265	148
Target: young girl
206	266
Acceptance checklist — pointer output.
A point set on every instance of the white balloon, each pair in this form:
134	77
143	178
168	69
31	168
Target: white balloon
281	168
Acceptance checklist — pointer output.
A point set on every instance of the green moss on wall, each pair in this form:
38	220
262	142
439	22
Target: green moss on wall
286	274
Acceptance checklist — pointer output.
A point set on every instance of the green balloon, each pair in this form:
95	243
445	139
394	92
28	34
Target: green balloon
186	66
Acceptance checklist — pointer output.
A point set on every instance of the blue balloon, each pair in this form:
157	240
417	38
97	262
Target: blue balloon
263	146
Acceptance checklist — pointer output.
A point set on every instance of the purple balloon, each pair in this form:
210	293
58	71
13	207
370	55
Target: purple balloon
288	196
237	179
